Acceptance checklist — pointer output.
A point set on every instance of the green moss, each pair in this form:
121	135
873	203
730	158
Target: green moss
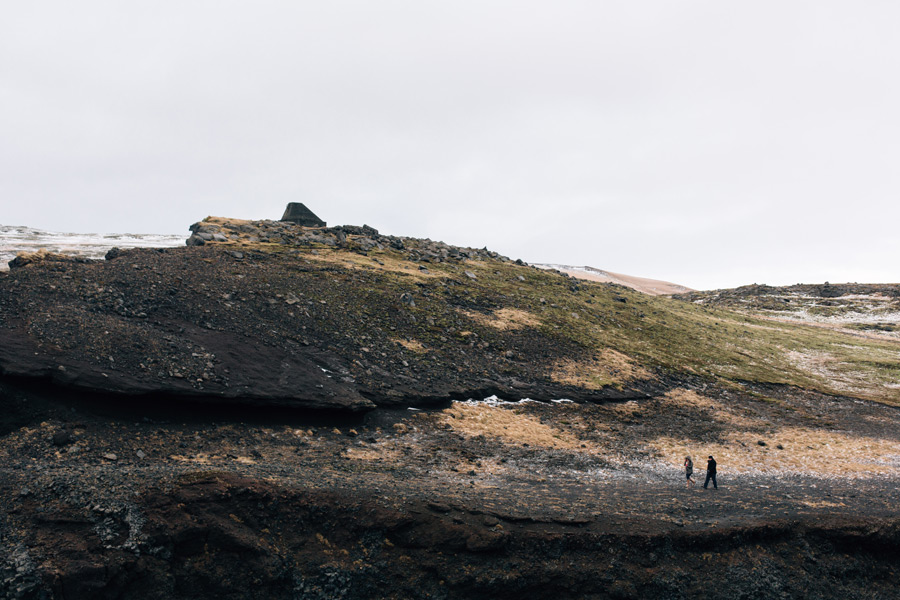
583	318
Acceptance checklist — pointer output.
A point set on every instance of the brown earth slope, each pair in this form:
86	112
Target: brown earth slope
654	287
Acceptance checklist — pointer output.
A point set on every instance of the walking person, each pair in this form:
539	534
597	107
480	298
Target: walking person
688	470
711	473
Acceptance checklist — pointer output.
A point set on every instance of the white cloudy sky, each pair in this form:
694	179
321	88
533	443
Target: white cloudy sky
708	143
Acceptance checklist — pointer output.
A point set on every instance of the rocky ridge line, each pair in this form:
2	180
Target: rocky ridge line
357	238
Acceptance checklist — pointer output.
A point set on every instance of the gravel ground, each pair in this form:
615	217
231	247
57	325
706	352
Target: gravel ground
93	455
88	467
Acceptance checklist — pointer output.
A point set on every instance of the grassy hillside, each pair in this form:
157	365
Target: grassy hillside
617	335
344	316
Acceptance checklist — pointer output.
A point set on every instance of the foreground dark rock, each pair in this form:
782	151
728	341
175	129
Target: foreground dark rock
219	536
97	501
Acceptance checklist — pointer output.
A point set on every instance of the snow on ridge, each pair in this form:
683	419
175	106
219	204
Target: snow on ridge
18	238
654	287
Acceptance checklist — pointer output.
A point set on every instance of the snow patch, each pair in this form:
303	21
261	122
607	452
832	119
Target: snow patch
495	401
15	239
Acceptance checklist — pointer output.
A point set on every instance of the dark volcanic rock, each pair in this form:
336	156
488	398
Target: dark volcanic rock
25	259
220	536
296	212
274	326
62	438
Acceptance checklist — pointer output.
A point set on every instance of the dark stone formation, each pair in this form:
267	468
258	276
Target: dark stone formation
62	438
296	212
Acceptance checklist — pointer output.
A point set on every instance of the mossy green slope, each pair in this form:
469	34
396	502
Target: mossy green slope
678	336
292	315
652	334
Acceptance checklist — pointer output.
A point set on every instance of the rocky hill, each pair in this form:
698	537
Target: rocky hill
345	318
857	306
280	411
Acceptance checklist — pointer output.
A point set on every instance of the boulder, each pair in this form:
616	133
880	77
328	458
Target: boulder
296	212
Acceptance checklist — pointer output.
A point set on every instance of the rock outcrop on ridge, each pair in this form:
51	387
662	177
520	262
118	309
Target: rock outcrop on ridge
296	212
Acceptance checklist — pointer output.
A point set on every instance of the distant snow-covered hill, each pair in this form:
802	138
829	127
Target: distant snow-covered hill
15	239
654	287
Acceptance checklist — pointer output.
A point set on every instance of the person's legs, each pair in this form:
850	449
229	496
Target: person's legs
706	483
715	485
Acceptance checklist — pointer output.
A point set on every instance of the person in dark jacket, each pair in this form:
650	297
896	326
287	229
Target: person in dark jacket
710	473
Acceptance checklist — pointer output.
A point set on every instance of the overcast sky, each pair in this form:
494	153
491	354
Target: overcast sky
712	144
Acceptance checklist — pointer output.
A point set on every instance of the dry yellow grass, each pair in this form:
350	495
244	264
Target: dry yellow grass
230	226
809	451
384	452
720	411
507	425
37	255
357	261
412	345
504	319
683	397
620	409
327	255
821	504
41	255
607	368
205	459
222	221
